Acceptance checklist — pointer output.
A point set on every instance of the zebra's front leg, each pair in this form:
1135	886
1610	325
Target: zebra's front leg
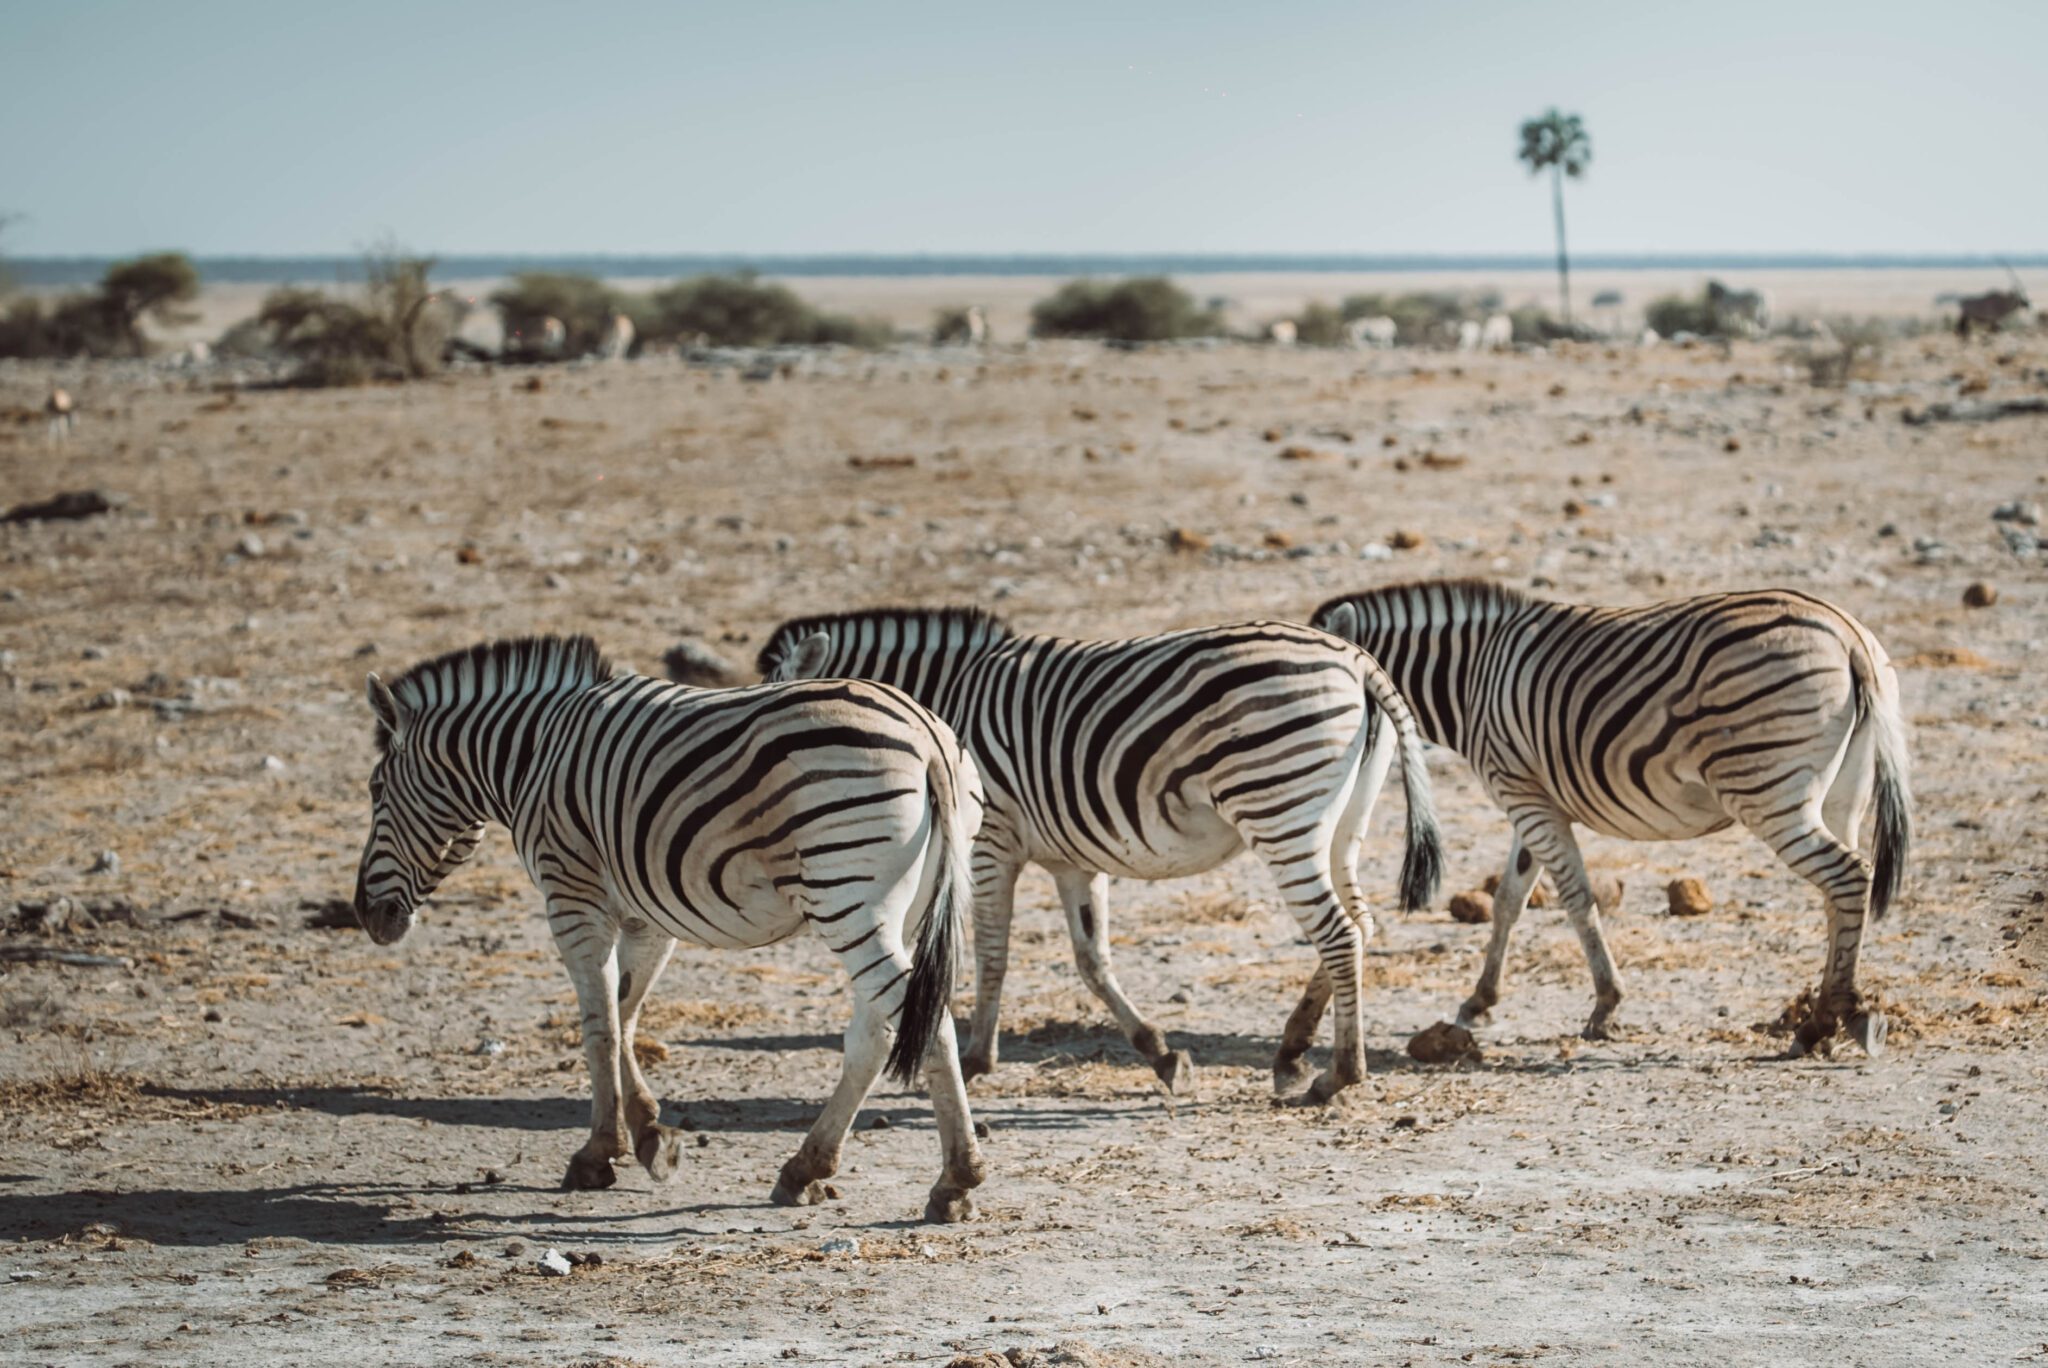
995	896
1086	896
1517	882
588	943
643	953
1549	837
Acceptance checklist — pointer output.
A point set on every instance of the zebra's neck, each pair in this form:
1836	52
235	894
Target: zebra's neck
1432	638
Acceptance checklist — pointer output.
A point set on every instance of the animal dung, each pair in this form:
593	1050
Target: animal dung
1181	539
1444	1043
1405	540
1689	898
1304	453
1980	595
1471	908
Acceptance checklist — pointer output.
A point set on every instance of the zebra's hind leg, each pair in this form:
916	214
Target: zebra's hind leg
1549	837
1311	893
801	1181
995	891
963	1169
1509	899
1086	896
1803	841
1291	1069
643	954
588	942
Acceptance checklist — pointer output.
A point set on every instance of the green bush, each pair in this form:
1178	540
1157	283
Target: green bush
950	325
1319	325
740	311
1672	314
1419	315
584	305
1140	309
108	321
334	341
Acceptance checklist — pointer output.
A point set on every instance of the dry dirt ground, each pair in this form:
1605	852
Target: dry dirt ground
247	1139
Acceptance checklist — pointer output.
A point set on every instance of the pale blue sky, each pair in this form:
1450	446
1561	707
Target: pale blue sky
221	126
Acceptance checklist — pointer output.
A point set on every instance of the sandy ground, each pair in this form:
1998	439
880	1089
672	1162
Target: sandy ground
1251	300
250	1140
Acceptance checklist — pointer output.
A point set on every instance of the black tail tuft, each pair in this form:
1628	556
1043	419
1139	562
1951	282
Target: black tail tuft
1892	842
928	995
1422	869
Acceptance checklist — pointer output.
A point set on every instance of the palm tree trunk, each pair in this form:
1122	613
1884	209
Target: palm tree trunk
1564	270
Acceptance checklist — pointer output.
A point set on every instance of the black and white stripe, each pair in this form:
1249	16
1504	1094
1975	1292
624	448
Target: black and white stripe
1153	758
1770	708
647	812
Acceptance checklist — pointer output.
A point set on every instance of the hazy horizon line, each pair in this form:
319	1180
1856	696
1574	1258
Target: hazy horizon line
231	267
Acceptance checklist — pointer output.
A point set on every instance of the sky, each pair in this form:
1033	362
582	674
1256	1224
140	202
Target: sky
772	127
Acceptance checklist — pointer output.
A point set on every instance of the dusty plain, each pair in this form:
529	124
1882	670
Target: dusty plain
251	1140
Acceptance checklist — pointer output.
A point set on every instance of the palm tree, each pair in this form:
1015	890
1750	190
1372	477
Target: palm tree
1557	142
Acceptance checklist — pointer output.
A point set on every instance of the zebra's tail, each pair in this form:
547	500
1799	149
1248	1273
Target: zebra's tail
928	996
1877	698
1422	865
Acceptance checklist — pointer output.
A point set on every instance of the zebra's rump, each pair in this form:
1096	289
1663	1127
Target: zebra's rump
1135	757
729	817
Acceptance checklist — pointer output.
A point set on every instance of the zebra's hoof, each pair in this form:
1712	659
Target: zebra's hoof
789	1194
1869	1029
588	1175
1290	1075
1324	1090
659	1151
949	1206
973	1066
1600	1029
1176	1070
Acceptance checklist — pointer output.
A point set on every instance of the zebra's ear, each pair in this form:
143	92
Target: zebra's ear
1340	620
807	661
384	703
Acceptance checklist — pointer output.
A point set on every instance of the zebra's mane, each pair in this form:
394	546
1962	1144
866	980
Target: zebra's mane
536	664
1474	595
975	625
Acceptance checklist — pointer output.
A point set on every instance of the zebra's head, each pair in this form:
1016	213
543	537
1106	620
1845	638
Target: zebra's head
419	830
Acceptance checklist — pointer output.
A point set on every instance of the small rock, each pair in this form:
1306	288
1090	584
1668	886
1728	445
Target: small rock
553	1265
880	1123
1471	908
273	765
1573	508
1539	896
1442	1043
214	1014
514	1248
555	581
489	1048
1607	891
250	545
1375	551
1688	898
841	1244
1181	997
1980	595
368	648
981	1130
1405	540
586	1259
1732	444
110	699
106	862
462	1258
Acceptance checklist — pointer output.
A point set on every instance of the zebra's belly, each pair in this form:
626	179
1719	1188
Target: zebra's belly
1187	840
1662	812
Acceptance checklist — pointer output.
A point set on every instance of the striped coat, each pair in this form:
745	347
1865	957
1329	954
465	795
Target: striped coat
1153	758
647	813
1773	709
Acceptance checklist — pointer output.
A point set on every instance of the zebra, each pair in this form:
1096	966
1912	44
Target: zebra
646	812
1663	722
1154	758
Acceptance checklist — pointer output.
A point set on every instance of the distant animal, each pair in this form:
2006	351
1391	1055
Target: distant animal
961	327
549	337
1497	333
1378	331
1771	708
62	414
1282	333
617	339
648	813
1154	758
1468	336
195	355
1989	310
977	326
1744	312
1648	338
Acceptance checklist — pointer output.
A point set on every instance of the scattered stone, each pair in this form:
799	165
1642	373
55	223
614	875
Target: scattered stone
533	384
214	1014
1539	896
1473	909
1442	1043
1573	508
250	545
66	507
1732	444
110	700
553	1265
1607	891
106	862
273	765
982	1131
489	1048
880	1123
1182	539
469	555
462	1258
1688	898
1277	541
2025	514
585	1259
1181	997
1980	595
1304	453
1375	551
840	1244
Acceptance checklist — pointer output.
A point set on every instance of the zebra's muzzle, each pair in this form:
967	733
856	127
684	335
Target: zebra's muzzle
387	922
